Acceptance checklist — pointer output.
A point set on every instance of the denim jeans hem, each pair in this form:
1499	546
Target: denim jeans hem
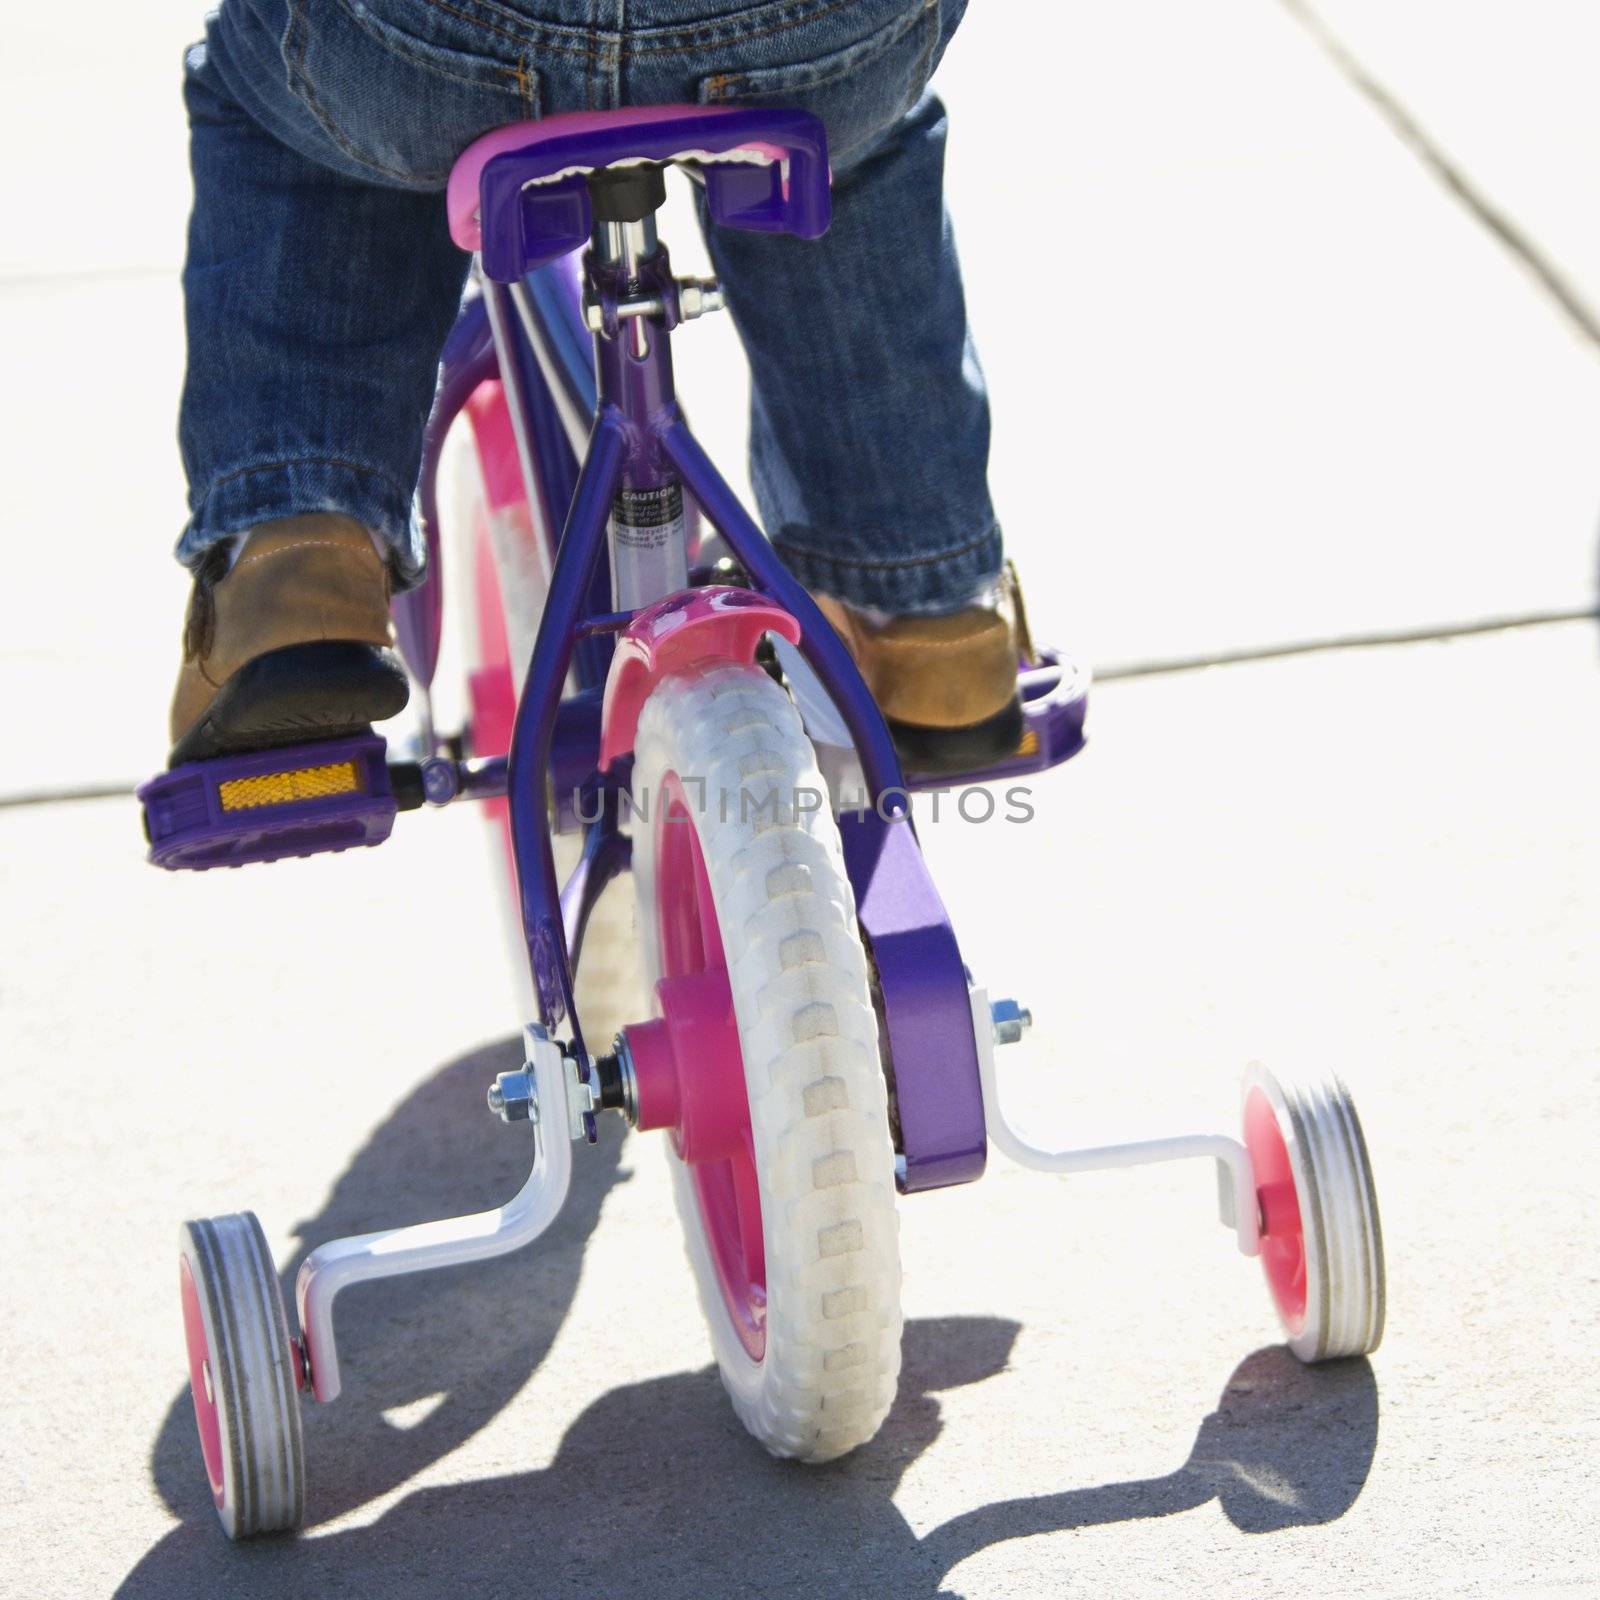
248	496
936	582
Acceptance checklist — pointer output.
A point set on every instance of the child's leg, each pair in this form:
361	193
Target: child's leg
870	444
869	422
316	304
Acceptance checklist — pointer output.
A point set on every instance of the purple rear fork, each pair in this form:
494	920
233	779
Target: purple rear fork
641	441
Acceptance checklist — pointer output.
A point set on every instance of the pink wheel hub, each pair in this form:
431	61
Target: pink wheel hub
689	1071
202	1381
1283	1240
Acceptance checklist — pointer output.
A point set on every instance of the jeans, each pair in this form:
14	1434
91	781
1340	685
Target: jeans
321	279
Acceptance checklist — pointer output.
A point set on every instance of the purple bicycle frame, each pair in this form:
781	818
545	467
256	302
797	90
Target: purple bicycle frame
640	440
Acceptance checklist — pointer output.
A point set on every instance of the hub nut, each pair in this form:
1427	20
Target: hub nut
513	1098
1011	1019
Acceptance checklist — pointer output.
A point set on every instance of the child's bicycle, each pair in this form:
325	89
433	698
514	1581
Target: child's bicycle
818	1046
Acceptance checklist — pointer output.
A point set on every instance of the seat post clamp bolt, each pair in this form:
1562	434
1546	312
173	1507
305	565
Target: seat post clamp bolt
698	296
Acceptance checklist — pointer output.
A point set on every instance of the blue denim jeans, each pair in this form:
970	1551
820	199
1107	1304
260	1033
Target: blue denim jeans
321	279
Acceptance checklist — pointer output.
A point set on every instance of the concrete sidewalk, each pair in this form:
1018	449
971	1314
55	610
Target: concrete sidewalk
1251	866
1303	392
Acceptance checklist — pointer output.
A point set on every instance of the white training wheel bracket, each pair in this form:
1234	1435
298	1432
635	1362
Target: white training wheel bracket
452	1240
1236	1175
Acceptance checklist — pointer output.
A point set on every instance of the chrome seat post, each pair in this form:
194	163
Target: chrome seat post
631	304
623	248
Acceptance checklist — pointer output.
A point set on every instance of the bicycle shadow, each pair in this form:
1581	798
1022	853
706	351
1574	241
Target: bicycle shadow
431	1359
656	1490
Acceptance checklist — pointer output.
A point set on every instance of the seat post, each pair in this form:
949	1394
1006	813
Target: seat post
623	202
630	299
625	246
632	303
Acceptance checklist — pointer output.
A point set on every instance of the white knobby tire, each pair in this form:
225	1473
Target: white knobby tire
809	1041
242	1375
1306	1133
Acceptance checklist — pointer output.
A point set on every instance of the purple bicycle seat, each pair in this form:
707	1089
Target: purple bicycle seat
519	194
270	804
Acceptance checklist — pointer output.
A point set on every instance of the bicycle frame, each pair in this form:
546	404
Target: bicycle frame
532	336
606	398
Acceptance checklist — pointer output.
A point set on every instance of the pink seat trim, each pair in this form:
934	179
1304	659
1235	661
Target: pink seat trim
462	194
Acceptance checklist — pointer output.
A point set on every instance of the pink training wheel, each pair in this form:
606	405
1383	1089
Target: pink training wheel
1321	1243
244	1375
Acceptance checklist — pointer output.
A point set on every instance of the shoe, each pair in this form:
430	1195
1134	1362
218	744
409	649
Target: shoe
290	643
946	683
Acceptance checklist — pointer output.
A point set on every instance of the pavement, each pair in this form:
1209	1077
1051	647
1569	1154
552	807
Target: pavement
1310	362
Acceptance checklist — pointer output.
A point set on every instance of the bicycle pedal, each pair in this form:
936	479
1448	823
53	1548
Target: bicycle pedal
268	805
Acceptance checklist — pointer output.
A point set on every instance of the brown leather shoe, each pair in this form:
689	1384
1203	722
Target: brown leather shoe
946	684
293	643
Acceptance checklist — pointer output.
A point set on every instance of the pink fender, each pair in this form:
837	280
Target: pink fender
684	630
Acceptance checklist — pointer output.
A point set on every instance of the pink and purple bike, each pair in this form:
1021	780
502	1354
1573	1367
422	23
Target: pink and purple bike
817	1046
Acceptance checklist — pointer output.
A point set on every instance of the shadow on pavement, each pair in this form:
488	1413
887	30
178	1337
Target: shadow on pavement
1287	1447
454	1345
656	1491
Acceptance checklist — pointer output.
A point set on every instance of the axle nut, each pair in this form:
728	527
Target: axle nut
1011	1019
513	1098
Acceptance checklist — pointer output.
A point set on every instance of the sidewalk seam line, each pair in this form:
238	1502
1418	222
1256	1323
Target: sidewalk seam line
1113	674
1374	640
1411	133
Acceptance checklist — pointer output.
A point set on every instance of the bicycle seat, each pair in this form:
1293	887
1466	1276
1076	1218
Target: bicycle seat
520	194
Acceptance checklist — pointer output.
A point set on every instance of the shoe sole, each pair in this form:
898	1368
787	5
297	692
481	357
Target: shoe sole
328	690
951	751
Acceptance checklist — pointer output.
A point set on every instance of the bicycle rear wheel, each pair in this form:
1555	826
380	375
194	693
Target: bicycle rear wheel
788	1202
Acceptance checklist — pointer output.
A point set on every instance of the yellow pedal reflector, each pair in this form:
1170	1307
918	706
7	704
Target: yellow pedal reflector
1030	743
279	788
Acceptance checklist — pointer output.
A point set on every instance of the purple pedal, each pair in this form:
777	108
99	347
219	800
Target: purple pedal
270	804
1055	702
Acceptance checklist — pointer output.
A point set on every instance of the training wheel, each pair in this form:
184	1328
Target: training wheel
244	1375
1321	1245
